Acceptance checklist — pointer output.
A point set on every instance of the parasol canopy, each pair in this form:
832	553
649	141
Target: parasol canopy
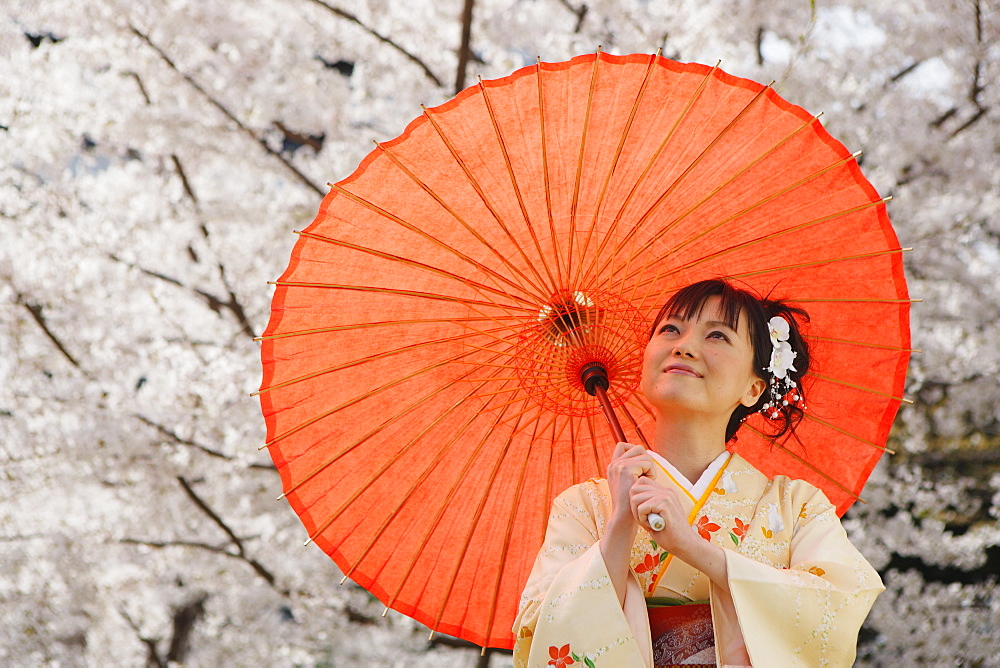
422	363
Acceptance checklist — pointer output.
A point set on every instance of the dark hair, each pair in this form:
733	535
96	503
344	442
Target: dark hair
735	302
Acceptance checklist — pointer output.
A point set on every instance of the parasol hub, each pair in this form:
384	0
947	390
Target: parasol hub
568	317
594	375
574	330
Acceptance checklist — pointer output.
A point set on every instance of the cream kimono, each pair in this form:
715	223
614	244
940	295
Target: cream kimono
798	589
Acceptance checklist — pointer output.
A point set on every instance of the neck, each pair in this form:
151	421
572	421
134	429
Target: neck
689	442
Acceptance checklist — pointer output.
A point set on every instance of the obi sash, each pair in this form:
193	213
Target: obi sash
682	633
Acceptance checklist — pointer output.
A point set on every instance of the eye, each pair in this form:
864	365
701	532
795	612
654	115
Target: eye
667	327
718	334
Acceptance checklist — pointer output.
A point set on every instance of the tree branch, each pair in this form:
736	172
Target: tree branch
204	507
253	563
184	620
184	180
228	114
212	301
580	12
382	38
173	436
906	70
464	52
152	653
142	88
36	312
978	86
241	553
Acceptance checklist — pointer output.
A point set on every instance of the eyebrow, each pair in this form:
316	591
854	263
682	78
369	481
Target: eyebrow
710	323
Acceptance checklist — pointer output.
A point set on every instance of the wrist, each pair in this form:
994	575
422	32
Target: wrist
621	526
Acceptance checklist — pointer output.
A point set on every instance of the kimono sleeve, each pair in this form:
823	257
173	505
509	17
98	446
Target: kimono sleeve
810	613
569	608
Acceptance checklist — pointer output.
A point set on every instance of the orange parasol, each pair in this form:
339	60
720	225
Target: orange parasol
422	364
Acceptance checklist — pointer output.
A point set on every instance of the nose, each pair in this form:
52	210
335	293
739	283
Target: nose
684	348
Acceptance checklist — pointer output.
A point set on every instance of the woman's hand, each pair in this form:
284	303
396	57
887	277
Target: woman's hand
648	496
677	537
629	464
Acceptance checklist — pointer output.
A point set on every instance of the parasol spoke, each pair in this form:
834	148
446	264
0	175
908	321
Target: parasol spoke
550	374
497	339
840	430
832	260
579	166
653	160
371	206
364	360
545	169
475	363
592	429
814	263
506	390
507	534
418	265
599	251
656	154
574	203
799	459
856	300
489	205
863	344
546	355
517	190
860	388
382	323
394	291
572	450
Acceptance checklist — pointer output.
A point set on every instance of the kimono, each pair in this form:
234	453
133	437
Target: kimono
798	589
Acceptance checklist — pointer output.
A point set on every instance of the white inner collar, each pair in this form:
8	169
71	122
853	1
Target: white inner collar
699	487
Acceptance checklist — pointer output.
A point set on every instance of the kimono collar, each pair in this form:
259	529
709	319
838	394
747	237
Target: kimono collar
697	489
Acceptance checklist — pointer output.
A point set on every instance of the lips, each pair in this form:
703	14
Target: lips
682	369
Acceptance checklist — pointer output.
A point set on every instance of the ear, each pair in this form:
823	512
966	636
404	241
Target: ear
754	391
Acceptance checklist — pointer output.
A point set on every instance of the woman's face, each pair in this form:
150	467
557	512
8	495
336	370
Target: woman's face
700	364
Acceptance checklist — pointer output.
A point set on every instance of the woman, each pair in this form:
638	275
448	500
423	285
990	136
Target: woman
784	585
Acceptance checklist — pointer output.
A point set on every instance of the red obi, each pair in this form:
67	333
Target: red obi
682	634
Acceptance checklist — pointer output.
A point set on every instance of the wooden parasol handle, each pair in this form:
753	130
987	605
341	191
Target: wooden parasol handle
595	382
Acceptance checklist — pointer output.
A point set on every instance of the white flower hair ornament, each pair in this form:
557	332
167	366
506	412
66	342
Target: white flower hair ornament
783	390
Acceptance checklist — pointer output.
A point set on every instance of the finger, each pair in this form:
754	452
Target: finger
643	512
646	483
635	450
639	456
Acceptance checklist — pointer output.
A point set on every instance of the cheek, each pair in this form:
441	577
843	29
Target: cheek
646	370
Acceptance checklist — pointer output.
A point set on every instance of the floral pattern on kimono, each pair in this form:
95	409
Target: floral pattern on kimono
798	591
